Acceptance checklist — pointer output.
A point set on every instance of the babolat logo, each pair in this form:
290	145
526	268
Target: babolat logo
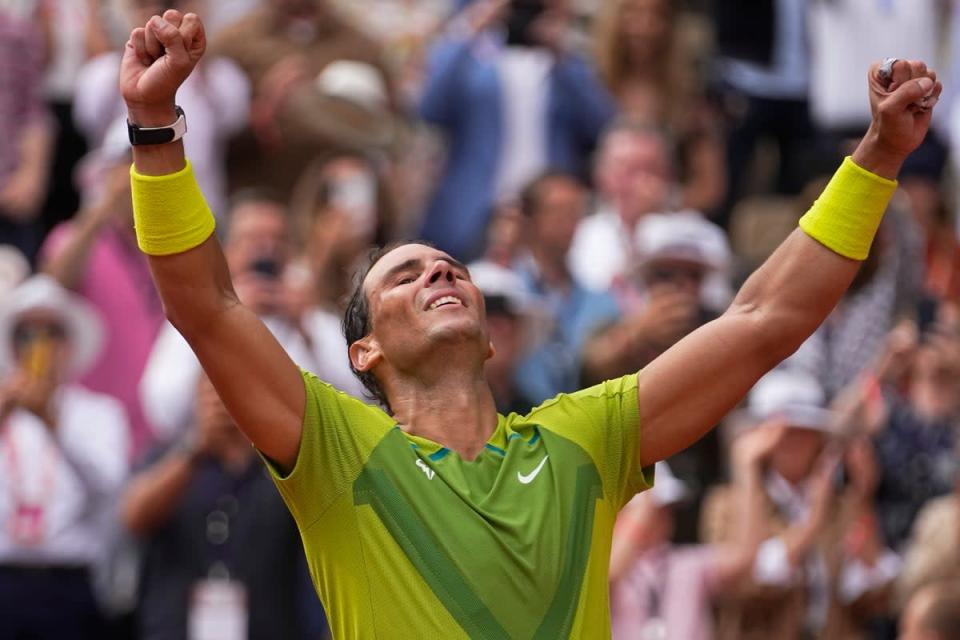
426	470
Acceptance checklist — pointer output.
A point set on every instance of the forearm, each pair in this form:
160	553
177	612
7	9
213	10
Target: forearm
193	283
70	262
751	527
153	494
794	291
36	149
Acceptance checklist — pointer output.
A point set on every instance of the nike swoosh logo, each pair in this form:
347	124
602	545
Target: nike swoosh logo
527	479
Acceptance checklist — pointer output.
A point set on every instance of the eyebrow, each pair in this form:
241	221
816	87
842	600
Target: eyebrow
417	263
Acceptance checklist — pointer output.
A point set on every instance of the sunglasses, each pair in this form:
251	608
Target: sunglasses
25	334
672	275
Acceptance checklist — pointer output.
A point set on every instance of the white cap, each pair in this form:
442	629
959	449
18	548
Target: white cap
354	81
495	280
683	235
668	488
42	293
795	396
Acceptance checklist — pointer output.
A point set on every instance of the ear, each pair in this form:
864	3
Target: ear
365	353
491	351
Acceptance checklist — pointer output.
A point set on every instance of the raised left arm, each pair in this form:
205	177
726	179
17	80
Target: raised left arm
687	390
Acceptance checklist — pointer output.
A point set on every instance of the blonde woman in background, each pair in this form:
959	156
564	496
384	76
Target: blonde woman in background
650	58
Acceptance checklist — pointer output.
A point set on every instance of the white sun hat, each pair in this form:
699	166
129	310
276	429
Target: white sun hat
667	490
793	395
41	293
681	235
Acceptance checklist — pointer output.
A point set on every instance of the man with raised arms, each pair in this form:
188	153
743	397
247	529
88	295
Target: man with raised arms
441	518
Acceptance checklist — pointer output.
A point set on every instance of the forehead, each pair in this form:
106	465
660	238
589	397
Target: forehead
402	254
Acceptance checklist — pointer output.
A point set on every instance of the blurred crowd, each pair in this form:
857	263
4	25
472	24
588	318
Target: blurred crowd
610	169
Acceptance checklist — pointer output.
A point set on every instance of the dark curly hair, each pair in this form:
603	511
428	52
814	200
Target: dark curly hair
356	317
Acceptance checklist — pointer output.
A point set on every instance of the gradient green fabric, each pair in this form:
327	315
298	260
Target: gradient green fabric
405	539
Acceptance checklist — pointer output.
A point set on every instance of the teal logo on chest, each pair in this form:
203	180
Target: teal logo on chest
503	541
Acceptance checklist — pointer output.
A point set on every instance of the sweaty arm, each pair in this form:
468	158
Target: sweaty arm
259	384
687	390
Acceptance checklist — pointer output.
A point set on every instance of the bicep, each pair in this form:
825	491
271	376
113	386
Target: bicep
693	385
259	384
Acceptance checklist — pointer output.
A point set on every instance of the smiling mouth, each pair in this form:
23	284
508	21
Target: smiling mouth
444	301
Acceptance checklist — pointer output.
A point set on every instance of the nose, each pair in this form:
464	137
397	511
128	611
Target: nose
441	270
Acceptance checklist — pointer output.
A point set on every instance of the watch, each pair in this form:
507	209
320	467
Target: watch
158	135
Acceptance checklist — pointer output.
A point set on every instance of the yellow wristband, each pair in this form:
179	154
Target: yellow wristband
169	212
847	214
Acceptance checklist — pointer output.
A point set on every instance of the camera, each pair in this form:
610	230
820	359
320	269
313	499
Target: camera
521	16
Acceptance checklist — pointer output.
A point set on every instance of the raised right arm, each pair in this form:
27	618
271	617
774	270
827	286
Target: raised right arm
259	384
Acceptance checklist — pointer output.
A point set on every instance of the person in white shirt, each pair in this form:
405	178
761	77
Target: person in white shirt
64	459
821	570
257	247
634	177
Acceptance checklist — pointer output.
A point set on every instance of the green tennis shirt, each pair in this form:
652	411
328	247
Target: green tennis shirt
404	539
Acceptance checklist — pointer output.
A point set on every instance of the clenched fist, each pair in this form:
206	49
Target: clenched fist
902	105
156	60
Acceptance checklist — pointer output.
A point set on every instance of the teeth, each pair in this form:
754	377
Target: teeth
445	300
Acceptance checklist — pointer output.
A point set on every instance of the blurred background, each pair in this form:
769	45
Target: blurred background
611	169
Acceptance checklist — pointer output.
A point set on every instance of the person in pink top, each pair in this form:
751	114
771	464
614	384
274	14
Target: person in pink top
660	590
96	256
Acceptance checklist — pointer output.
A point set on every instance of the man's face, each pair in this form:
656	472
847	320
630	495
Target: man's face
797	453
420	298
674	274
634	173
257	233
41	344
562	205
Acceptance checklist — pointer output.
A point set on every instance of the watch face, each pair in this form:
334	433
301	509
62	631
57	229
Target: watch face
158	135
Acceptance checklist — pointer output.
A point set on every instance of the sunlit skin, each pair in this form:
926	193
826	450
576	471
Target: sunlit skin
913	623
422	342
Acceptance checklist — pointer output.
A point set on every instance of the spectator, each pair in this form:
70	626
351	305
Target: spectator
341	206
201	507
821	571
859	33
96	256
319	86
664	590
256	245
909	402
512	320
65	459
634	176
553	206
933	553
678	255
26	131
217	98
764	65
651	64
511	102
933	614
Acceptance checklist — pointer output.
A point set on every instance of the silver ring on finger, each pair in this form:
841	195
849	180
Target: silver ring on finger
886	69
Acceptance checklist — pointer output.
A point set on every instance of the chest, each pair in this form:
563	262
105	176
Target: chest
505	537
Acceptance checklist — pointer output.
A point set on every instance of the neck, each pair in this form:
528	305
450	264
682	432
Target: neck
456	410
